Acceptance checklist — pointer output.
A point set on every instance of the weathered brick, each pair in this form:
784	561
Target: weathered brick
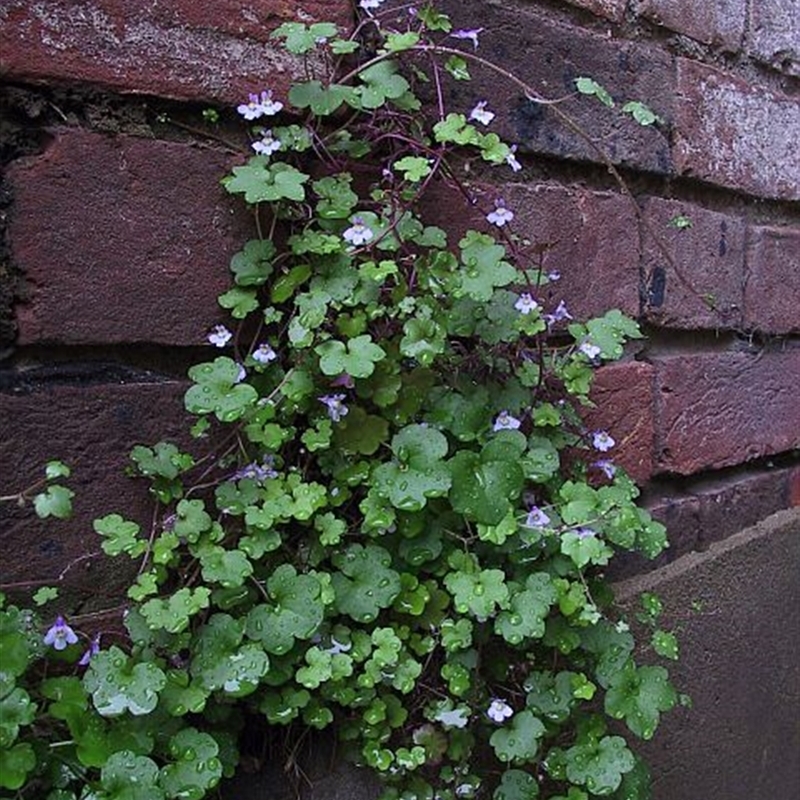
775	34
623	393
92	428
719	409
721	22
550	57
121	240
736	134
702	287
772	288
611	9
180	49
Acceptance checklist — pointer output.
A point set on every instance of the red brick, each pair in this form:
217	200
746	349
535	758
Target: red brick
122	240
772	288
92	428
623	394
611	9
550	57
719	23
734	134
775	34
180	48
703	286
723	408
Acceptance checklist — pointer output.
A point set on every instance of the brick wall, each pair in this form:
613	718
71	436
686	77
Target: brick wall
117	235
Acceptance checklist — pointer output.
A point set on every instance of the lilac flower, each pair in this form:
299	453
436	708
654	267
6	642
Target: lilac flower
471	34
554	275
263	354
358	233
257	472
94	649
559	315
259	106
241	374
501	215
525	304
511	159
368	4
480	113
499	710
591	351
537	518
606	467
602	441
336	408
60	635
584	533
338	647
505	422
219	336
267	144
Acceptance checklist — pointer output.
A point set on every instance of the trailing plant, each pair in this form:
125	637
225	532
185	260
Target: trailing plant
400	527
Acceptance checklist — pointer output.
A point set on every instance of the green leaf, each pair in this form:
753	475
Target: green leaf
296	611
517	785
482	489
640	112
259	181
599	765
299	38
356	359
479	593
15	764
220	662
590	87
126	776
518	740
360	432
365	583
527	610
228	568
54	501
120	536
56	469
638	695
252	265
118	684
239	301
423	340
454	128
413	168
174	613
483	268
417	472
45	595
665	644
16	710
196	768
217	390
322	100
381	83
396	42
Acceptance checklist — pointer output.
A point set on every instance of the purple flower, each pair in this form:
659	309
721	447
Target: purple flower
602	441
501	215
263	354
219	336
257	472
537	518
94	649
606	467
505	422
559	315
259	106
584	533
241	374
336	408
267	144
525	304
358	233
368	4
480	113
60	635
499	710
471	34
554	275
511	159
591	351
